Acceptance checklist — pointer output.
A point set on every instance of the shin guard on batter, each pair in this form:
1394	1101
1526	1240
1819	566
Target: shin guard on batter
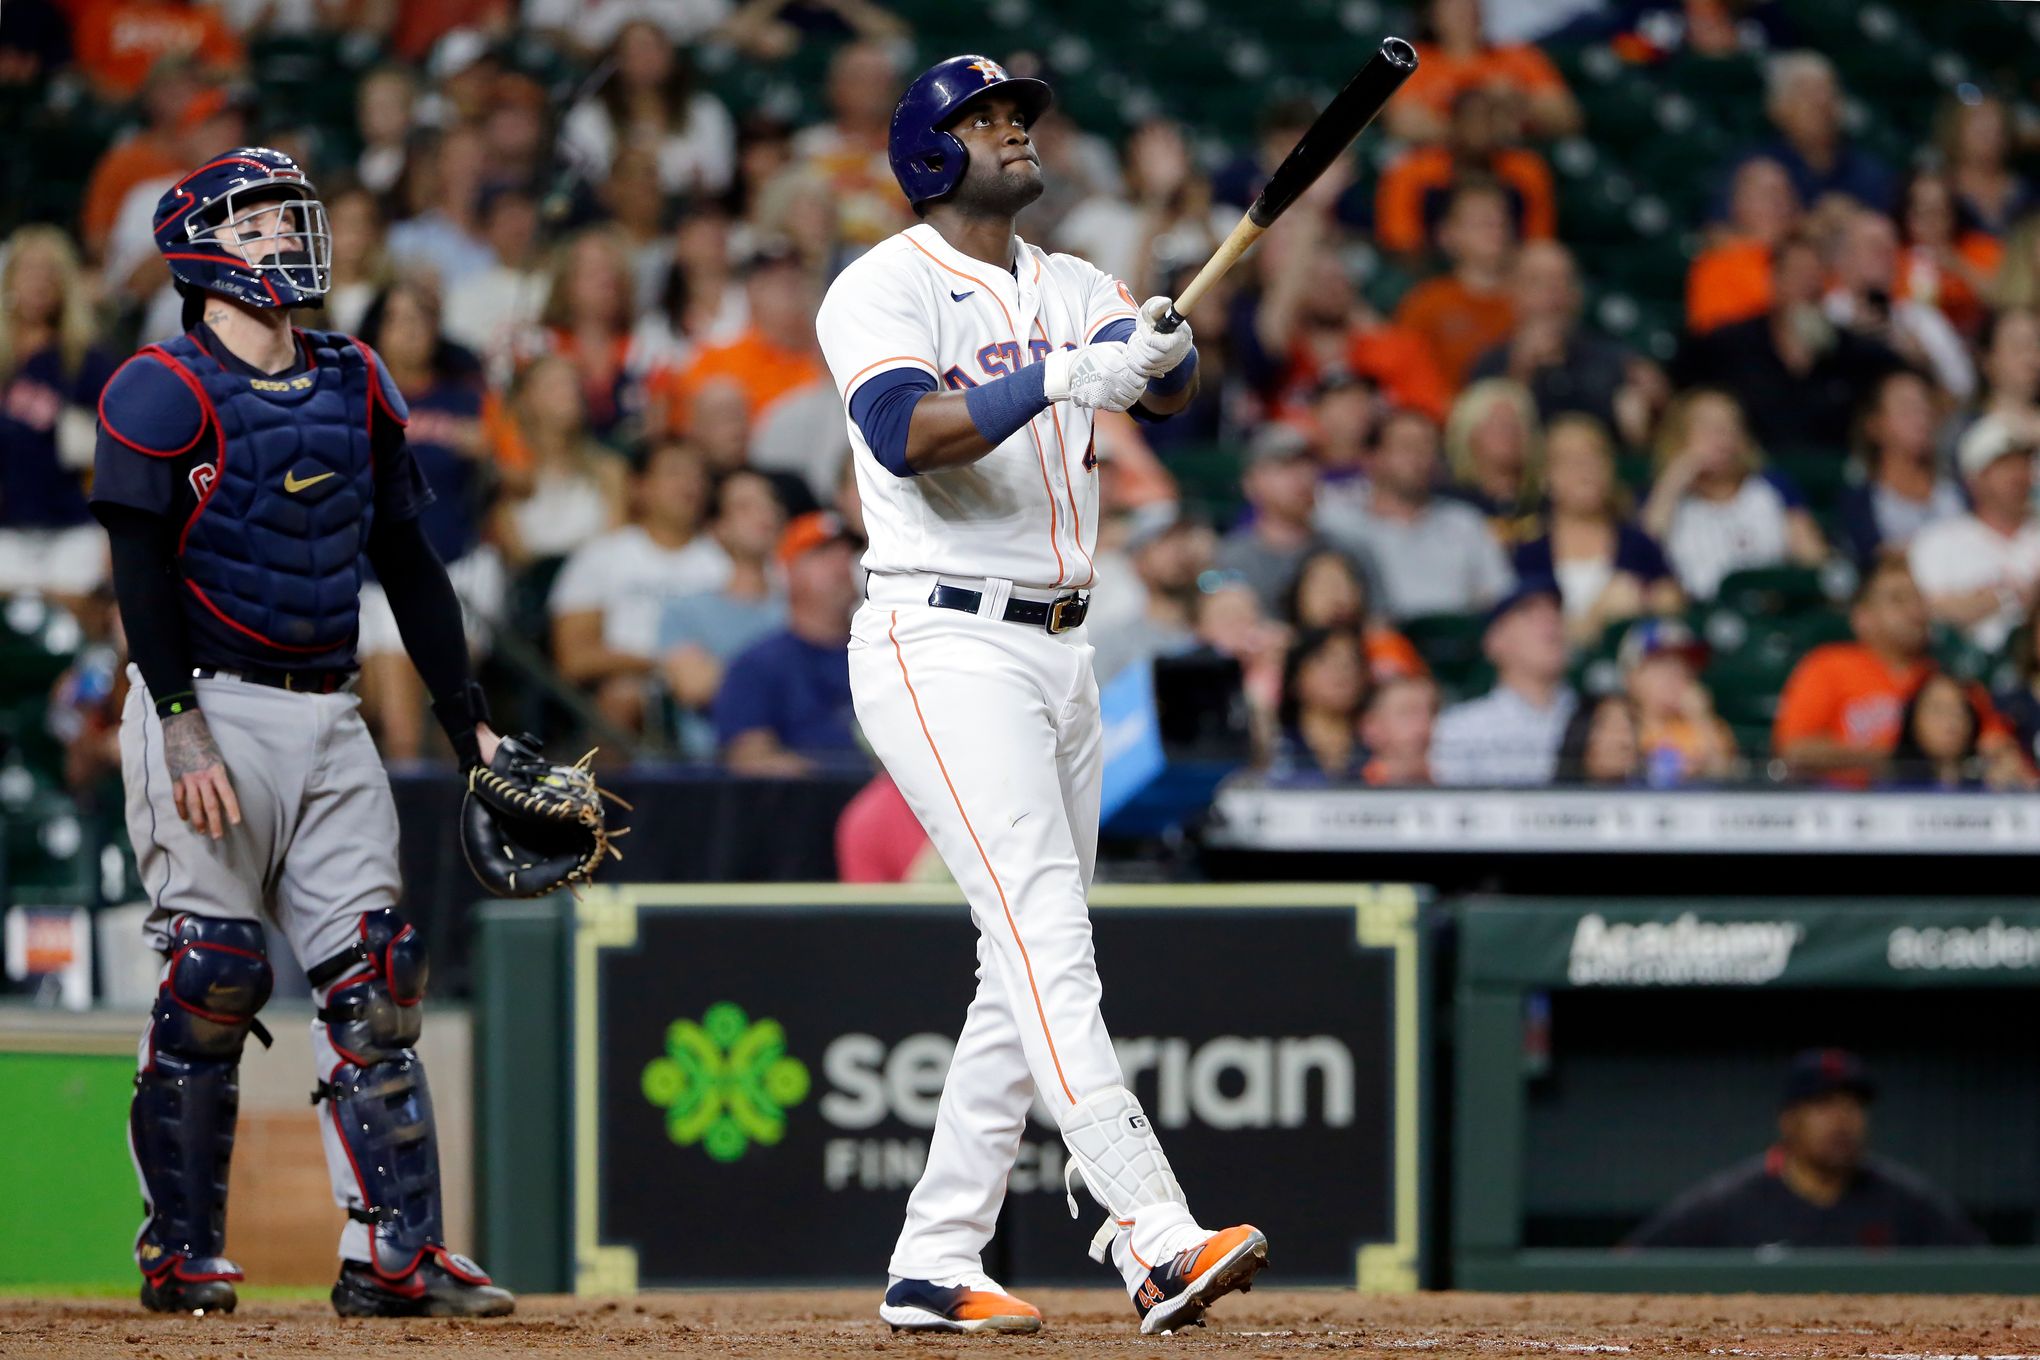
1114	1147
380	1142
187	1095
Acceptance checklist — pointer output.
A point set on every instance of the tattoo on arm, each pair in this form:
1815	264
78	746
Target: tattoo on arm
188	745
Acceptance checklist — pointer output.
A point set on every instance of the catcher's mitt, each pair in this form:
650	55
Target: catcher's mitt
529	826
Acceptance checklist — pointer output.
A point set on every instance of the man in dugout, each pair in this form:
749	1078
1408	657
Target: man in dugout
1818	1186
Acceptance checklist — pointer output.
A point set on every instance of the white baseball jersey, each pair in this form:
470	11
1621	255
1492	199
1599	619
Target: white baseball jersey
1027	511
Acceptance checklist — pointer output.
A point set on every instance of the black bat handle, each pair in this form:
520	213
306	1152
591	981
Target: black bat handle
1171	322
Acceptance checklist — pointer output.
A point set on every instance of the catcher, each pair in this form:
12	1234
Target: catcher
244	471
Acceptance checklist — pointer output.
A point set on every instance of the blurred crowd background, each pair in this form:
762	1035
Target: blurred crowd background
1651	398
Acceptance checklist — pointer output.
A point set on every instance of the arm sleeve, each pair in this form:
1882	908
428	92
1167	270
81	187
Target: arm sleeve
422	599
146	588
883	410
148	421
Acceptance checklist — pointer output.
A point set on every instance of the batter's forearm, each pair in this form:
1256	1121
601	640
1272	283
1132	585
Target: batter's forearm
942	433
145	585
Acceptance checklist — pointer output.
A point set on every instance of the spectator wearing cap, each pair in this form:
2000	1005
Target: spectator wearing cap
1680	738
1324	687
607	600
1980	570
1838	717
1427	554
1330	591
1454	54
1494	447
1479	143
1804	101
443	188
1567	366
1796	375
1511	735
650	100
784	707
1169	553
1607	568
1310	323
1602	743
1712	508
1464	313
1280	484
1730	280
1818	1185
51	375
1906	490
1395	731
776	356
116	42
1860	300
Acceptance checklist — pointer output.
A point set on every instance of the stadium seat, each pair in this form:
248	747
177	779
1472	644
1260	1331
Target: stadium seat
1772	591
1451	646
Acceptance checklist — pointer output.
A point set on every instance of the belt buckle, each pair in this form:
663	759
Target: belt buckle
1059	604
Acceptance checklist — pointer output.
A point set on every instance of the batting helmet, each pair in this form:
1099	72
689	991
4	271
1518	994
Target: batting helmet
929	161
282	254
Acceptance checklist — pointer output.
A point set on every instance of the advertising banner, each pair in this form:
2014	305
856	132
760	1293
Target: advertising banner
1750	943
756	1072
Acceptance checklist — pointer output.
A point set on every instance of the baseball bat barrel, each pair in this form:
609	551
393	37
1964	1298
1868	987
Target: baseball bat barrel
1344	119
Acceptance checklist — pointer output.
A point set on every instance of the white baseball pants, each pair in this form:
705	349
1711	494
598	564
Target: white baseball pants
991	731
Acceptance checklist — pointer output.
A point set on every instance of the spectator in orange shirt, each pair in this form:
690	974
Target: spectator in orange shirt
776	355
1945	263
1417	187
1311	323
169	101
1453	55
1840	712
118	41
1466	312
1731	279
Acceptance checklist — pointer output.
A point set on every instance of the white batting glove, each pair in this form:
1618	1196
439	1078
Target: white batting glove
1152	352
1100	377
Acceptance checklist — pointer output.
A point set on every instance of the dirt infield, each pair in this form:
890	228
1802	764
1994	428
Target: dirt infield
1268	1323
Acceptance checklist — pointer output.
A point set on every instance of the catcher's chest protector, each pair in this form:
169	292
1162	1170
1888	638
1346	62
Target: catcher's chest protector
273	553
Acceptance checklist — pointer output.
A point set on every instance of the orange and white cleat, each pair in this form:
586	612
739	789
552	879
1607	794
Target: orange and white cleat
970	1303
1175	1292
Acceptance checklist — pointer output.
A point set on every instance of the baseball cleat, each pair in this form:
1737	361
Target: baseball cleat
974	1303
441	1284
1177	1291
180	1286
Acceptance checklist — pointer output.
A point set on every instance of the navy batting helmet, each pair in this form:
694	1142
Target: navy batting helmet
280	253
927	160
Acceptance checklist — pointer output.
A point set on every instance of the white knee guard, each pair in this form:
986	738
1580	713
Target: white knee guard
1113	1146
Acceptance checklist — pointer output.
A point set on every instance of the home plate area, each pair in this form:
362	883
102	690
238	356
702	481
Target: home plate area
1270	1322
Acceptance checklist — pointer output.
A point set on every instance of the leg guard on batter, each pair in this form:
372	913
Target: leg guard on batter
380	1142
187	1094
1113	1146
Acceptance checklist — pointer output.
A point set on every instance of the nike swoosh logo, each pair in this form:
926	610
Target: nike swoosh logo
293	485
958	297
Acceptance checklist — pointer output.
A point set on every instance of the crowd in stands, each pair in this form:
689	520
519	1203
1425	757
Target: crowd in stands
1458	531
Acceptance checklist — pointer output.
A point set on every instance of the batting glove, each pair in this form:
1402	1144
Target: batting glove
1100	376
1152	352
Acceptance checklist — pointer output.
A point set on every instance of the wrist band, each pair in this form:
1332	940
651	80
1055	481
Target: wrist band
1177	378
1001	407
170	705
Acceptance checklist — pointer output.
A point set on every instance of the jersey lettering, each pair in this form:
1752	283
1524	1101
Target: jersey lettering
999	358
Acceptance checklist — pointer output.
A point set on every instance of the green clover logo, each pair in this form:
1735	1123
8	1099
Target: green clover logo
726	1082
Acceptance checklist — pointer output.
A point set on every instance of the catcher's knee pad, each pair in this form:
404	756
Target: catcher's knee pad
187	1092
381	1134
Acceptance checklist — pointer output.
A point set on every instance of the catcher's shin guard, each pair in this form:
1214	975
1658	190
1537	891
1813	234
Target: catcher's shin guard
187	1094
381	1146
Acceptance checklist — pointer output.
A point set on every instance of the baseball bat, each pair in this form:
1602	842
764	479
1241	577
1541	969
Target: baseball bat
1344	119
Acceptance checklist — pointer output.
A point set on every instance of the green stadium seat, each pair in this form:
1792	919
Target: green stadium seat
1451	646
1772	591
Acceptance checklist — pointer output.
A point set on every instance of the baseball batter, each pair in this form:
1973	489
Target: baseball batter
972	366
244	472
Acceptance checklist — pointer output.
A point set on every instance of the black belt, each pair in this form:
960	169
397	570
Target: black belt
298	682
1058	615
